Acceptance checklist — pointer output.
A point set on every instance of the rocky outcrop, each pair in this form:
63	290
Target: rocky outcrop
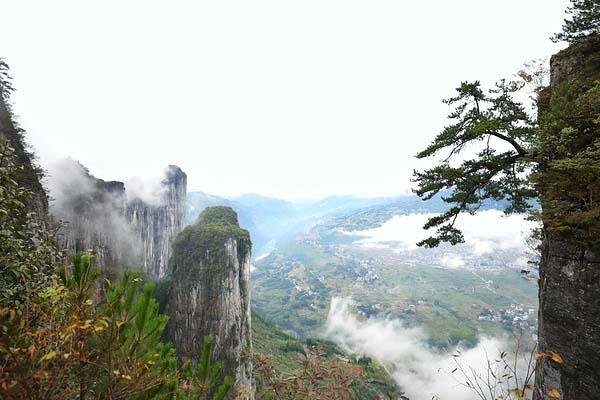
210	294
157	225
121	229
578	61
569	183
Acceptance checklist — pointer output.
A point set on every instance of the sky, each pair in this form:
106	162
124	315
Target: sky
292	99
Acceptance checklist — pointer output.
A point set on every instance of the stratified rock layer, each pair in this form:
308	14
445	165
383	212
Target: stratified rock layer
157	225
210	294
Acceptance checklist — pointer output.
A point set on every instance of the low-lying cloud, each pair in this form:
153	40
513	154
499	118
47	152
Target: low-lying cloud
485	233
420	371
149	190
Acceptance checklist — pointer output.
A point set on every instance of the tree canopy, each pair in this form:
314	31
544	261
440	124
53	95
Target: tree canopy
584	22
497	150
503	132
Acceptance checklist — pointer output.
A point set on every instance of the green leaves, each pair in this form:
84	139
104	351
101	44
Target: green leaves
27	252
66	345
496	124
224	388
585	21
569	153
5	80
204	381
513	158
477	116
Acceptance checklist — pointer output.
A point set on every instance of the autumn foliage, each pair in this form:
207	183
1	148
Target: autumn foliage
65	344
319	379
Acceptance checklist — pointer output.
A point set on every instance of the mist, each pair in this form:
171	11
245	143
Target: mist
150	190
421	371
486	233
92	214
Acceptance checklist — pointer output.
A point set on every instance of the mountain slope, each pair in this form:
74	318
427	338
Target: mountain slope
285	352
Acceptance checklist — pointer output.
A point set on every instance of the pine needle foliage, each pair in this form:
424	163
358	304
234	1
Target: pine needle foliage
585	21
503	132
79	339
5	80
203	381
553	157
63	333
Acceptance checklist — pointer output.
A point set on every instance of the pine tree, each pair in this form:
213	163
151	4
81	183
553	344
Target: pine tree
136	361
556	159
78	339
505	134
203	382
585	21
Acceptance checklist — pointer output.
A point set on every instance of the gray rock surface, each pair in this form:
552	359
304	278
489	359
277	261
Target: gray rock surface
122	231
157	225
569	321
210	294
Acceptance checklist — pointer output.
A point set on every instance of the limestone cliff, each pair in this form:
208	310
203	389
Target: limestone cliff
569	185
210	294
90	211
122	230
157	225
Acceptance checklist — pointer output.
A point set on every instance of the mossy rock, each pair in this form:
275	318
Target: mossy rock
214	227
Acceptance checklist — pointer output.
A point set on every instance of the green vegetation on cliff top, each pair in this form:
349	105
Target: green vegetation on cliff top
219	223
214	227
219	215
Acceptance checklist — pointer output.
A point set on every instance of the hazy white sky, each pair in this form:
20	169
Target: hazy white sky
285	98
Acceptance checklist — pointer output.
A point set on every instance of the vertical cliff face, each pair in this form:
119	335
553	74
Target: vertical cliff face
569	320
92	214
210	294
569	184
157	224
122	230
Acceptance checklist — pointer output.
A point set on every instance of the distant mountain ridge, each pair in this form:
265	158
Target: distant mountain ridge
272	221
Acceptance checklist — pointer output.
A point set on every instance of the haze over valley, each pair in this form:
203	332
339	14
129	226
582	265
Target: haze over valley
348	269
